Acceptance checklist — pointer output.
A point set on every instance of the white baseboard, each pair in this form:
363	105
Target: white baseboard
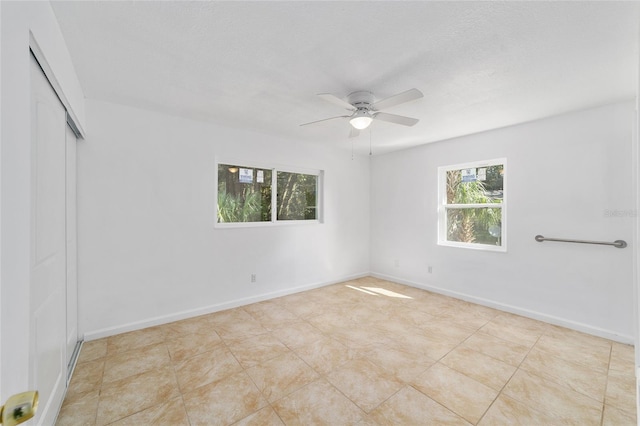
164	319
50	405
562	322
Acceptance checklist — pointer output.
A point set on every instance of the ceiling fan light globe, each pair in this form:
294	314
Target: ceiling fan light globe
361	122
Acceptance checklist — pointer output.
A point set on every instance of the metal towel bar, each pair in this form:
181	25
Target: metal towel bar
616	243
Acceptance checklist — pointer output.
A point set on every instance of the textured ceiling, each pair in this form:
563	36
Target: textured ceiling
259	65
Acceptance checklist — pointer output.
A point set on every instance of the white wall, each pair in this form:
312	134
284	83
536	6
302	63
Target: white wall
148	249
564	174
23	24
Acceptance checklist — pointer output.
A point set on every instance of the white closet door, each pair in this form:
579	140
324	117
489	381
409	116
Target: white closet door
72	247
48	242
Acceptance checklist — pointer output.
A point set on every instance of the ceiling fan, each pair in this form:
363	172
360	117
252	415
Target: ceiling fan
364	109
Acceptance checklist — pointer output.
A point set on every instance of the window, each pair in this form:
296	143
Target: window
297	196
245	195
472	205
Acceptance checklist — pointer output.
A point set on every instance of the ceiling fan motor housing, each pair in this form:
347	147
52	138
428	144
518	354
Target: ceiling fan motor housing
362	100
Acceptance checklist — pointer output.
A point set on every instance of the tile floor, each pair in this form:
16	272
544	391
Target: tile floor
364	352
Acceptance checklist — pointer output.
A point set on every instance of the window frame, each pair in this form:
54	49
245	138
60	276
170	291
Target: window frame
275	168
443	206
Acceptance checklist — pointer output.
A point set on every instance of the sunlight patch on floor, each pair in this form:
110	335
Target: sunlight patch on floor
386	292
362	290
376	291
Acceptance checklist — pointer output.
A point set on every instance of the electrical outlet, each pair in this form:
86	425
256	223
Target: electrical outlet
397	263
253	278
430	269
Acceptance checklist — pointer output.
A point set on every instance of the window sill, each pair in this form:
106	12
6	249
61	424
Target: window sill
471	246
230	225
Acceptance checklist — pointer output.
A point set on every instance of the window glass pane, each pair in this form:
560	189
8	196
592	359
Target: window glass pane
297	196
244	194
475	225
475	185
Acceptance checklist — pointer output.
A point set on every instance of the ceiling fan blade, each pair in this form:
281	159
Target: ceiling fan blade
397	119
354	133
400	98
337	101
326	119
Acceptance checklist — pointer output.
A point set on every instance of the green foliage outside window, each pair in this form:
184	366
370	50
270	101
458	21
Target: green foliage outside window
243	201
478	224
297	196
245	195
